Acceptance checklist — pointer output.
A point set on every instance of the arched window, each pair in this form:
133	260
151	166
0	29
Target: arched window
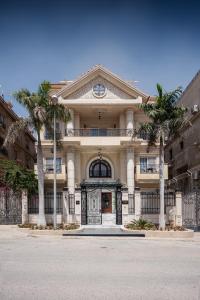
100	168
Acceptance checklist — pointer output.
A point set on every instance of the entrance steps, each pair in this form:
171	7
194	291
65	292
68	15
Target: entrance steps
103	231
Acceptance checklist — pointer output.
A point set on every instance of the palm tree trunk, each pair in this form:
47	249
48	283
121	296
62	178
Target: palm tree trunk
162	185
41	216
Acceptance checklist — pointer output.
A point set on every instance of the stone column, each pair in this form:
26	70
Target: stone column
178	218
130	170
70	171
129	121
77	168
24	207
122	166
65	206
70	124
137	204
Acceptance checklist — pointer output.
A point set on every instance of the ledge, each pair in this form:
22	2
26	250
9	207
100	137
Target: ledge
164	234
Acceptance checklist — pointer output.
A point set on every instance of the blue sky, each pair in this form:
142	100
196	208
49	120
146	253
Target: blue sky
148	41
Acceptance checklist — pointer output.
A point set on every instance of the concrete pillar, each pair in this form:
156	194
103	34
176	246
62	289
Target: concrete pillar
129	122
70	171
130	171
65	206
137	204
122	166
77	168
70	124
24	207
178	218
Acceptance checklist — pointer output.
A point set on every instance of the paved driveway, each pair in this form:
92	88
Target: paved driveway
55	267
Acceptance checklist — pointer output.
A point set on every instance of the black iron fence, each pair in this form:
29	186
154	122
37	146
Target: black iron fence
131	204
150	202
33	203
71	204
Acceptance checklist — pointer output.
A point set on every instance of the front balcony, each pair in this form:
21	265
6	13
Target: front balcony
97	137
95	132
49	172
150	172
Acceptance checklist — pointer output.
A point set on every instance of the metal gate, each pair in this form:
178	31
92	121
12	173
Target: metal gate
10	207
191	210
91	203
94	207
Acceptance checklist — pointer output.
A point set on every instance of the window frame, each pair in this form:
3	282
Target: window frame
98	174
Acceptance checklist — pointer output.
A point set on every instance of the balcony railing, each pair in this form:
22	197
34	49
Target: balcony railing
49	169
97	132
149	169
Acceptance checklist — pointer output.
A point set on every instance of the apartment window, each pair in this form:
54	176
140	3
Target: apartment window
49	165
181	145
170	154
148	165
49	132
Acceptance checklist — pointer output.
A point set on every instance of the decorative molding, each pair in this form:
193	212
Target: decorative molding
86	92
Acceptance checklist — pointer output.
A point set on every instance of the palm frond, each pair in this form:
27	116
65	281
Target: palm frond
15	129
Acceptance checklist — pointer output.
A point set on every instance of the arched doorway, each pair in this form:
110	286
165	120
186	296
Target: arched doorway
100	195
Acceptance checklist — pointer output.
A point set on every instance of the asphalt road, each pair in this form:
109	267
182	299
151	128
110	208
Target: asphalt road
55	267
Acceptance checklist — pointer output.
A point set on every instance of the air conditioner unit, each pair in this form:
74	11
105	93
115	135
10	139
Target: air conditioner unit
195	109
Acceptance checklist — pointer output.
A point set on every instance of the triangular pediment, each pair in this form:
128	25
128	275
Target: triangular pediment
115	88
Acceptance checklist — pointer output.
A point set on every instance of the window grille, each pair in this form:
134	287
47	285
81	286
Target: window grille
131	204
71	204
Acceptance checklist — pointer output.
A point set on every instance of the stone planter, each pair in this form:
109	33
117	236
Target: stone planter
164	234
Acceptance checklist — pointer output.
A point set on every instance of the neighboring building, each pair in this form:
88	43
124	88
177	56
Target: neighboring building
23	150
104	173
183	152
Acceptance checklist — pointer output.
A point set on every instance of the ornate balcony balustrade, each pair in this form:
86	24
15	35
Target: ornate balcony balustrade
95	132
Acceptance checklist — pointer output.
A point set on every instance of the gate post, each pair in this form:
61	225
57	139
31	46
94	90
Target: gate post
178	217
137	204
24	207
65	208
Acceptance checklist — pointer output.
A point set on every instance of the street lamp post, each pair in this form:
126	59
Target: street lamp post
54	100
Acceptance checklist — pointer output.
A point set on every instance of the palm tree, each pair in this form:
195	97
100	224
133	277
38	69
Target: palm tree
41	113
165	120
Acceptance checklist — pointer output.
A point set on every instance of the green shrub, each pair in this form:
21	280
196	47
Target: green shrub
141	224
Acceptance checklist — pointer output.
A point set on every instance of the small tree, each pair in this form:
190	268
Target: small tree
17	177
41	113
165	120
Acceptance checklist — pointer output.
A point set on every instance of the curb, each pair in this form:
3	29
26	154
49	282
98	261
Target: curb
164	234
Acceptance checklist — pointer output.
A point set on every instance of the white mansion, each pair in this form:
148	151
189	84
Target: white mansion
104	171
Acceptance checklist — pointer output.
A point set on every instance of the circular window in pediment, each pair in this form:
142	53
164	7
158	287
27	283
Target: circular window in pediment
99	90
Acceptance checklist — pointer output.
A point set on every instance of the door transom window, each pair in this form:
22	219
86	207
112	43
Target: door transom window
100	168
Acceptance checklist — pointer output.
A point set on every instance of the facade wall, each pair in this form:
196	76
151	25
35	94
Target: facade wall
116	116
23	150
183	152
